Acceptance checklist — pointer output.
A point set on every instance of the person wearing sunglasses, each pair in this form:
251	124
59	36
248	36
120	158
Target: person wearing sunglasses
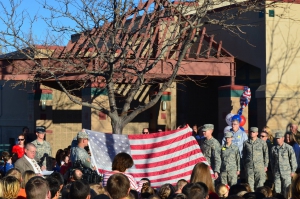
266	136
19	148
145	131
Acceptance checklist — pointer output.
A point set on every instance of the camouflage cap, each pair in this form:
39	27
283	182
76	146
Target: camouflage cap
279	134
207	127
40	129
293	122
82	134
228	134
253	129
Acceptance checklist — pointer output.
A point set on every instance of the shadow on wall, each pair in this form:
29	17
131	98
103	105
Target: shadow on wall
282	71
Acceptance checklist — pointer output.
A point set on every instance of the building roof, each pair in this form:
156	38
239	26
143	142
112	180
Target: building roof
206	56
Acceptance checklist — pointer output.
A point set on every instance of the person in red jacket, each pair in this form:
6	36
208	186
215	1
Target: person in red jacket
19	148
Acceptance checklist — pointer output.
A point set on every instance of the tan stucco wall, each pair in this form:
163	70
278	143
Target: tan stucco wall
275	49
60	132
282	88
137	127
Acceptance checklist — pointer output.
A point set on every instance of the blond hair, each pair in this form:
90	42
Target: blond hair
1	188
269	132
98	188
11	187
26	176
15	173
222	190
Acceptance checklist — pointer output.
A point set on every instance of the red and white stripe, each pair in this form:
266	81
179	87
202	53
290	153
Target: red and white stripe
165	157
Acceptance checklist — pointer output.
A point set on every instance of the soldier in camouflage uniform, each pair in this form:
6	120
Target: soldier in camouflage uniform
255	159
239	136
43	149
79	153
211	148
230	157
283	163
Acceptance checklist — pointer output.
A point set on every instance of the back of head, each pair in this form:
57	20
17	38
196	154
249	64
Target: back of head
187	188
27	175
247	186
79	189
15	172
77	174
5	156
198	191
58	176
122	161
235	189
201	173
37	188
267	191
146	190
118	186
166	191
180	184
54	186
222	190
11	187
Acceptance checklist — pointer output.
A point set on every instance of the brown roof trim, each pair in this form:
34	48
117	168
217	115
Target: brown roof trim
49	47
231	87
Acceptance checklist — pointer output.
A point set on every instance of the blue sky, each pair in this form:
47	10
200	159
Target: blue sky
39	27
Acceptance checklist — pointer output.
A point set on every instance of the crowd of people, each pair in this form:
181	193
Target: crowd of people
260	164
259	158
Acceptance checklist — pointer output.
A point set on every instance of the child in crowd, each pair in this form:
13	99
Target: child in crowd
7	163
222	190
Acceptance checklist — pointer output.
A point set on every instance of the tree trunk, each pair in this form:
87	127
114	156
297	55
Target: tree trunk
117	126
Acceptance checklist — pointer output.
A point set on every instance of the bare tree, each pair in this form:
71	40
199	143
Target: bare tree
114	42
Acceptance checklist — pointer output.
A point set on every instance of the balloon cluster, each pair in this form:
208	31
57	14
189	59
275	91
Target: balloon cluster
244	101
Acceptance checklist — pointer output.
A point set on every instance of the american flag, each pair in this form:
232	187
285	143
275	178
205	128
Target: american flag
163	157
